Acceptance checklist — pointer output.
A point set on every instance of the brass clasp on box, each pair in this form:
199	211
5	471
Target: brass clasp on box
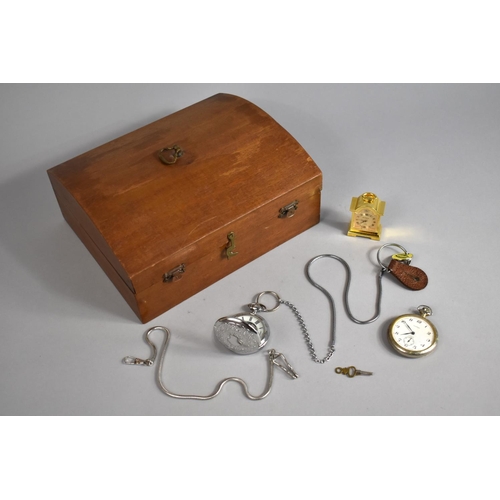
175	274
288	210
231	245
170	158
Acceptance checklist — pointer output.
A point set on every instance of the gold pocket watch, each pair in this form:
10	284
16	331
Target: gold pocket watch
412	335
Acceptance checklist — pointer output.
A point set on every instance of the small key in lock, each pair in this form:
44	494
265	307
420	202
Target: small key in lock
351	371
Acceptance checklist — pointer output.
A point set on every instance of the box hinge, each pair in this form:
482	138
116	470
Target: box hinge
288	210
175	274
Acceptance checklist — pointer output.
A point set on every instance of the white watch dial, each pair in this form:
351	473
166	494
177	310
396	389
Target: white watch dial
412	335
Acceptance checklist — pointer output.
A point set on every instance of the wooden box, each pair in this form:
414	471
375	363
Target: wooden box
174	206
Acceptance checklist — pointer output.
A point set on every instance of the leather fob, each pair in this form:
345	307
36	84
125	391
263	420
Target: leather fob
411	276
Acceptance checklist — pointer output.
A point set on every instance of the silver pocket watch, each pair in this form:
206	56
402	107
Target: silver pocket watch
245	332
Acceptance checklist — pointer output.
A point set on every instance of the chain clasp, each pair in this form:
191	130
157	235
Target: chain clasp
130	360
281	362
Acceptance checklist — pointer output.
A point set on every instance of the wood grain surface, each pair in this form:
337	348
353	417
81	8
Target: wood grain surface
141	218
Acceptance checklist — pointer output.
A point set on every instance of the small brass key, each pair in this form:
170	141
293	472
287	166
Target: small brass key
351	371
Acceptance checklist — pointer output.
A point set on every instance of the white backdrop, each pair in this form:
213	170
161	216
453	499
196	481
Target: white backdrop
430	151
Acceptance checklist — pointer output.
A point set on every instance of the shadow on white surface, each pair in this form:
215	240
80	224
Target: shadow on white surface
49	257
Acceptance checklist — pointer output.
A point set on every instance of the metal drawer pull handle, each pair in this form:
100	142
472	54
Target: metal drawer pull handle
288	210
175	274
172	157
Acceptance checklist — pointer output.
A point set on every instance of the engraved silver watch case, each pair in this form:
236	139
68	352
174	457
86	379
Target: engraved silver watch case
243	333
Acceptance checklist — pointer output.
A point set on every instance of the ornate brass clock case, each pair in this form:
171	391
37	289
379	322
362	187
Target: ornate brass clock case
367	210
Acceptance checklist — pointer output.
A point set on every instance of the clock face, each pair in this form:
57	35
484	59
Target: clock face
242	333
413	335
365	220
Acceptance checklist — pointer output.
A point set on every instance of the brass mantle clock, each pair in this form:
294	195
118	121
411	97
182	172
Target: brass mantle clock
367	210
